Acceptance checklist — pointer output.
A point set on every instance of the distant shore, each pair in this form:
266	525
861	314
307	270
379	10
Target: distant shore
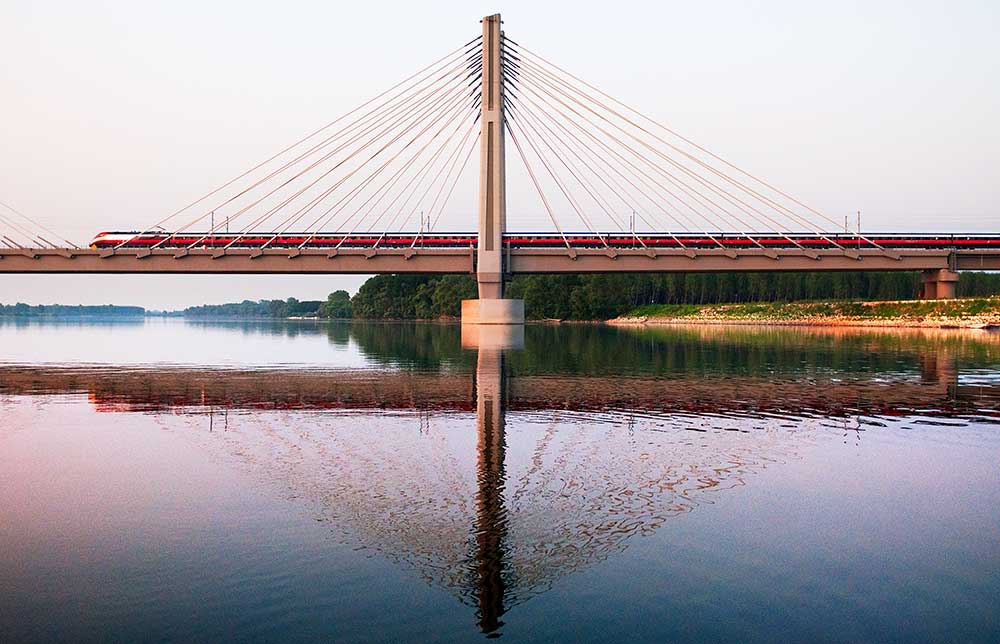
971	313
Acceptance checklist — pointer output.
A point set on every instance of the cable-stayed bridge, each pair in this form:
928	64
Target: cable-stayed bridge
615	191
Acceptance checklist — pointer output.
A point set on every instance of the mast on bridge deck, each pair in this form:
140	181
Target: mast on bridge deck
492	178
491	308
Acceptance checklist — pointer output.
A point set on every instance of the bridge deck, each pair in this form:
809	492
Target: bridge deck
462	260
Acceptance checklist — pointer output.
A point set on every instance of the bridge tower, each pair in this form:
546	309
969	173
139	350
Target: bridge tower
491	307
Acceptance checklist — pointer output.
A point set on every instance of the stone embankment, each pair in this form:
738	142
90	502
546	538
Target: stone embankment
972	313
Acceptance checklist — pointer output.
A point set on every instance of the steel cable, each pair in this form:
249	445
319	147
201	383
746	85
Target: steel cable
757	195
447	57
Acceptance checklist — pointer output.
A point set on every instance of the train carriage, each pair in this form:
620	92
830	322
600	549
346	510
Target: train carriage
736	241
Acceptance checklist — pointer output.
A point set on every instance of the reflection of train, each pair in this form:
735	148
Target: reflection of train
540	240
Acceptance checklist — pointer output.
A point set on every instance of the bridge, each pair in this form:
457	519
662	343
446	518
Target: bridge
637	196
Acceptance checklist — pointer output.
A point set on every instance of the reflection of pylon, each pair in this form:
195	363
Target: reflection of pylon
491	511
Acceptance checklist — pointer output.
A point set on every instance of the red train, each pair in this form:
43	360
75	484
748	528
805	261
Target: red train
544	240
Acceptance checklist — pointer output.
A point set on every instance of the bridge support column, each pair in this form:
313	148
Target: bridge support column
491	308
938	284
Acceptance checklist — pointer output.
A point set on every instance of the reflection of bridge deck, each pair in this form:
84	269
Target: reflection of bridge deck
934	391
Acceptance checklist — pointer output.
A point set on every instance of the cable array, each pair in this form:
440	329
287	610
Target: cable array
610	164
390	163
18	231
393	163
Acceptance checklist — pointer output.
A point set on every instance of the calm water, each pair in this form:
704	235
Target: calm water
165	480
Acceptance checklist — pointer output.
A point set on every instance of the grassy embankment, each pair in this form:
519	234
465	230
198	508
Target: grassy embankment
965	313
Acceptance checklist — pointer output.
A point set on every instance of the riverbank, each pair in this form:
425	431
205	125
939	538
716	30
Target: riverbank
971	313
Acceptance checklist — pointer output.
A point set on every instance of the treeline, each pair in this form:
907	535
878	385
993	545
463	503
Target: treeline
407	297
566	297
975	284
586	297
61	310
337	305
597	297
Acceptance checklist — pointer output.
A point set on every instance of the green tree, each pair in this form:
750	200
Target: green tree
449	291
337	306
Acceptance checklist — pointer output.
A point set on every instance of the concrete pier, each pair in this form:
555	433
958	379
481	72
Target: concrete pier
939	284
492	311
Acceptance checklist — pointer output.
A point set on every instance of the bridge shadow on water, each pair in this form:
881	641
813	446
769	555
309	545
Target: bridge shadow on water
585	437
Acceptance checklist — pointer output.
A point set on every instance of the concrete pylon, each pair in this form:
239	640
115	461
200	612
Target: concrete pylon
491	308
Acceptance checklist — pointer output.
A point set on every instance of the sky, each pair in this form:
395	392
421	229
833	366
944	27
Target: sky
115	114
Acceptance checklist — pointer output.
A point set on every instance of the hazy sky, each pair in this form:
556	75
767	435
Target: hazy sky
114	114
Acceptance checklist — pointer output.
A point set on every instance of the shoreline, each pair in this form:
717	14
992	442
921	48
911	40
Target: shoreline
860	323
968	313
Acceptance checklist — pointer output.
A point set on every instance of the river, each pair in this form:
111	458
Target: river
168	480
